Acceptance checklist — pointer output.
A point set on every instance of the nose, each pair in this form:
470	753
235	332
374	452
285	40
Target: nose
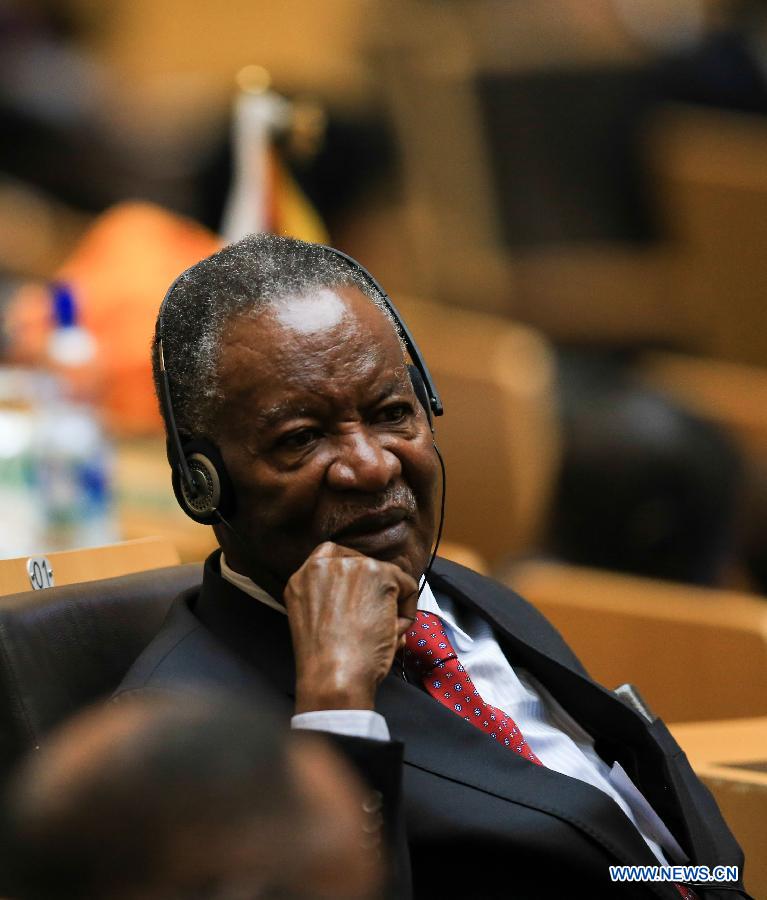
361	463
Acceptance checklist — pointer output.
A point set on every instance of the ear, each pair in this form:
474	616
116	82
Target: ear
420	391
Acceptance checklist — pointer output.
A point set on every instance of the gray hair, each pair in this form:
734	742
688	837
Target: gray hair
241	279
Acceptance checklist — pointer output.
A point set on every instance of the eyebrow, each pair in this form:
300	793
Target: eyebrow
281	412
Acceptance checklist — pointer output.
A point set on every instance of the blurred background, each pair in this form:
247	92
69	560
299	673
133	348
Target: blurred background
566	199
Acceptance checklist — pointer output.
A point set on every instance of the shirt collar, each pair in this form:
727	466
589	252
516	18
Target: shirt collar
426	602
248	586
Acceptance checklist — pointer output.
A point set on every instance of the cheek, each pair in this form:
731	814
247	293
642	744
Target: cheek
423	470
269	500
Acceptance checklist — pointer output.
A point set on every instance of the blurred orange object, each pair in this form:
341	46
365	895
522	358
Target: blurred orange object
119	273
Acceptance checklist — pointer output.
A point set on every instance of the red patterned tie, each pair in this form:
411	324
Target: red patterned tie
429	653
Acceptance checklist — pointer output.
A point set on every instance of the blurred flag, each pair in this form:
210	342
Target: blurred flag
263	195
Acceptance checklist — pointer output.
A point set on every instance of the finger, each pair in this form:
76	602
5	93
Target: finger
406	584
407	607
328	549
403	626
407	602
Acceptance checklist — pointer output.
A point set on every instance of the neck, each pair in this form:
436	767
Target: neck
265	580
240	561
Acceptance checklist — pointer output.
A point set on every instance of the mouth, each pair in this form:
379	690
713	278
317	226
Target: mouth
375	533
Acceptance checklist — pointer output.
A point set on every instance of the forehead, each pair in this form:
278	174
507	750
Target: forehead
325	341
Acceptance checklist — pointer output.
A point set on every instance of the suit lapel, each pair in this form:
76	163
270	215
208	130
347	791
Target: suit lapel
257	634
438	741
530	642
644	750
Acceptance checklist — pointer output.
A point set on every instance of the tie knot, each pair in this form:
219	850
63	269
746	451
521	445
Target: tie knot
427	644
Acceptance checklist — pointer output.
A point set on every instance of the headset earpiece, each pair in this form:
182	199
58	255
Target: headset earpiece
416	379
213	493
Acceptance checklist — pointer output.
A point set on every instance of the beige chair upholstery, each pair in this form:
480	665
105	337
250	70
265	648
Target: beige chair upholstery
712	183
499	434
693	653
464	556
731	759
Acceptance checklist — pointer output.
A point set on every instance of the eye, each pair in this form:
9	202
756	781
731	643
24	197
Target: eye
299	440
395	413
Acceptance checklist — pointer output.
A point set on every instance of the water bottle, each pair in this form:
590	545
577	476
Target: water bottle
74	459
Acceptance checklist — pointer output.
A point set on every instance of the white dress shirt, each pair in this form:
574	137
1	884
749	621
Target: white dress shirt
555	737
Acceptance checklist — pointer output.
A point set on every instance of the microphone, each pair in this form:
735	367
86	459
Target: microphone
441	520
436	543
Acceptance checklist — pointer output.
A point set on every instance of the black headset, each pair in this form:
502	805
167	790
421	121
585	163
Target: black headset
200	481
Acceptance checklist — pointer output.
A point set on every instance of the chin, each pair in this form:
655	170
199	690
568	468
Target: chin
413	564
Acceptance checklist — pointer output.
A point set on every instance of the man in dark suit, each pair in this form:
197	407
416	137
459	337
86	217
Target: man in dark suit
500	768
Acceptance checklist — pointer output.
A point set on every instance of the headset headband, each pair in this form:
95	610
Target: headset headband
412	348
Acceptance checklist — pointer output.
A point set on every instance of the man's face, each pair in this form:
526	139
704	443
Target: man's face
323	437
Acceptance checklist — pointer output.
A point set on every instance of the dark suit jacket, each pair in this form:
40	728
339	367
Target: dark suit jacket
471	813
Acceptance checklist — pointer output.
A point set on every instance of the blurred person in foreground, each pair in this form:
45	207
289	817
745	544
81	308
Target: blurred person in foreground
188	795
503	770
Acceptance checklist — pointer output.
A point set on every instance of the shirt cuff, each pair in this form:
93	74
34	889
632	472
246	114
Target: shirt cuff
362	723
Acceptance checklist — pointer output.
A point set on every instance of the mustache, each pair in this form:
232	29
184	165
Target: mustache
340	517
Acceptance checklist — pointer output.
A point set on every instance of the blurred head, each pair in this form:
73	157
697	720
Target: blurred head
187	797
645	488
286	358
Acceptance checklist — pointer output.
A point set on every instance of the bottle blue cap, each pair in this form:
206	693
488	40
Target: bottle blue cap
64	305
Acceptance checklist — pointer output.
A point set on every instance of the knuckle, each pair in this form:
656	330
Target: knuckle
317	565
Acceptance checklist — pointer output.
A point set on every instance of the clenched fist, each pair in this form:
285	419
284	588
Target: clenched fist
348	615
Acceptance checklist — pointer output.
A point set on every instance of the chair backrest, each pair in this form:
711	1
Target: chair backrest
464	556
711	179
509	136
500	435
732	395
694	653
91	563
731	759
65	647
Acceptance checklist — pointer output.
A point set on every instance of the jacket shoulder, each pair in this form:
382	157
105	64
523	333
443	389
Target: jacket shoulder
185	654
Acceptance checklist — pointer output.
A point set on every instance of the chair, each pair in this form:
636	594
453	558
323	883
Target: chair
711	180
731	395
731	759
464	556
694	653
74	566
500	435
515	168
65	647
